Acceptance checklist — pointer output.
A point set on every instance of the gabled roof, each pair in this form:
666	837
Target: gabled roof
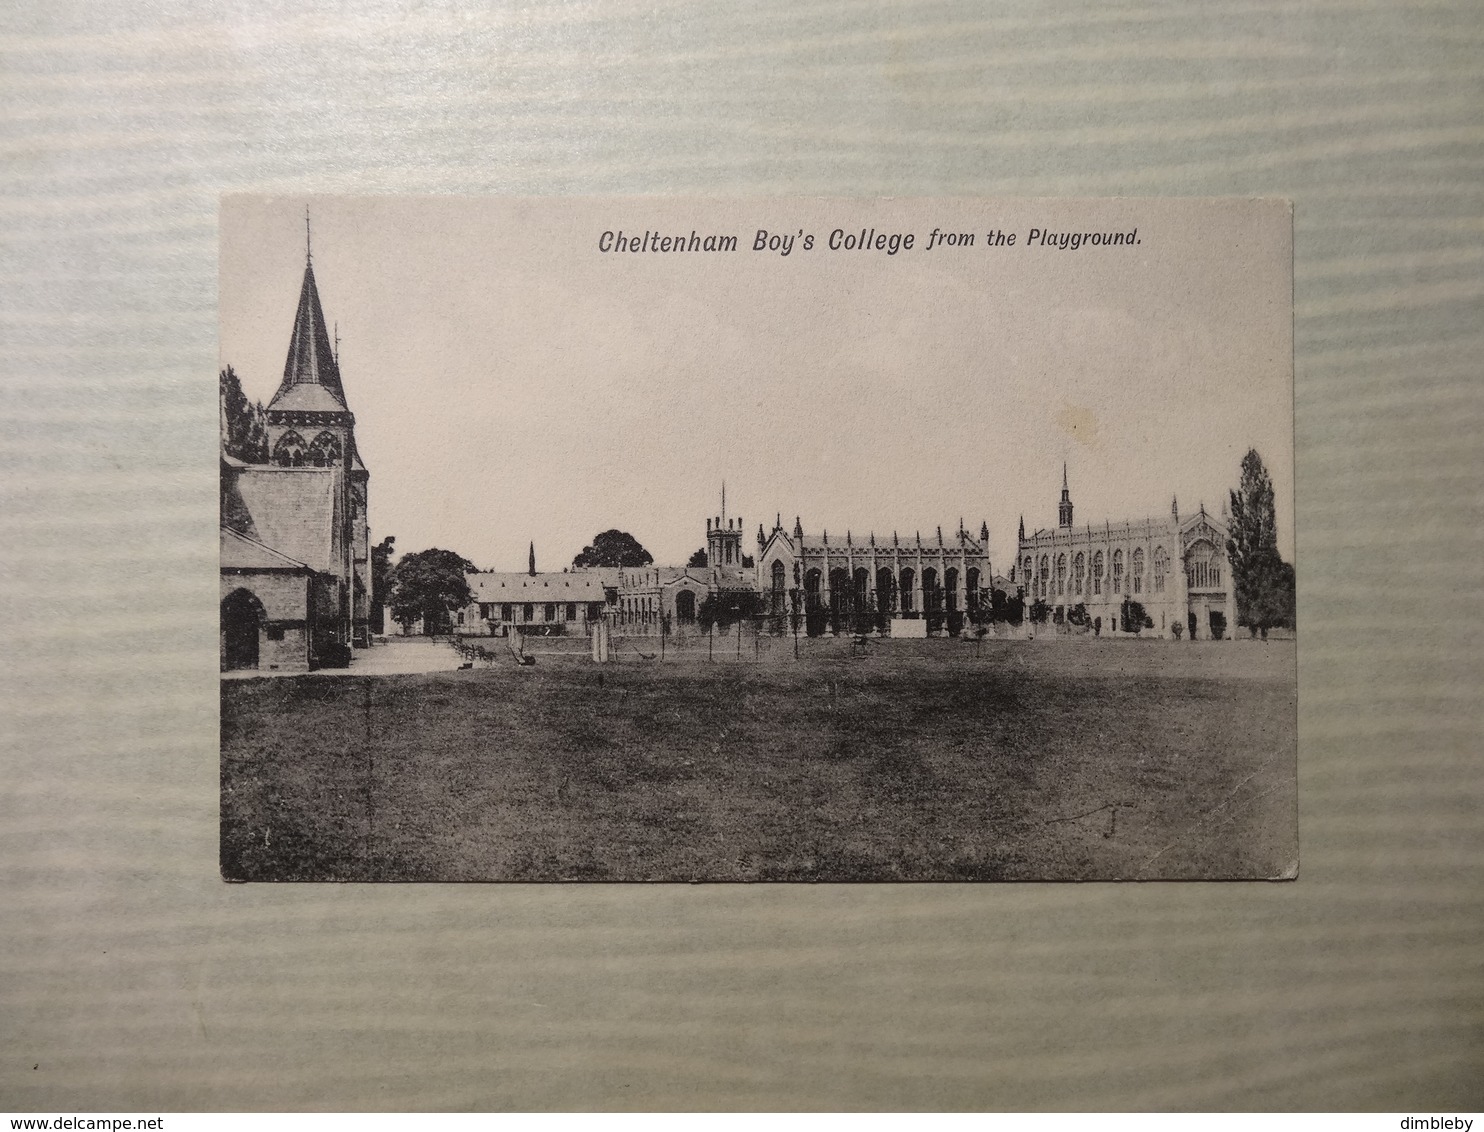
242	553
519	585
311	361
294	511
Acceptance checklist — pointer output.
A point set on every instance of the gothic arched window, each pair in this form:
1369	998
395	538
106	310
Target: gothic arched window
1044	577
1161	568
1118	571
1137	565
324	450
1097	572
290	451
1079	569
1201	566
1061	574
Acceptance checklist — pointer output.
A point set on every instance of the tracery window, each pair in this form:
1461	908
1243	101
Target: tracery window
1203	569
1118	571
290	451
324	450
1161	568
1044	580
1137	564
1097	572
1061	574
1079	569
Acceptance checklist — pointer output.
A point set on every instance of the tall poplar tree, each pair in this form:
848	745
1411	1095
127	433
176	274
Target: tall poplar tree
1263	581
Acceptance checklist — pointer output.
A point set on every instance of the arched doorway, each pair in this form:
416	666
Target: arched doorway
685	607
242	620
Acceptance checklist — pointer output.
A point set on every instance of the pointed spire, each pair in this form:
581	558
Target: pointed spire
311	358
531	562
798	528
1022	528
940	534
1064	475
1174	509
984	531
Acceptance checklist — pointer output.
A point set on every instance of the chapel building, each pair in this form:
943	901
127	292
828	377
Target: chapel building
1175	567
295	544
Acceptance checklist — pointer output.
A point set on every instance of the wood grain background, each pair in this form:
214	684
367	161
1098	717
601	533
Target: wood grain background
132	978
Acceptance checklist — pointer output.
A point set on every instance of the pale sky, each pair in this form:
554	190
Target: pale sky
511	383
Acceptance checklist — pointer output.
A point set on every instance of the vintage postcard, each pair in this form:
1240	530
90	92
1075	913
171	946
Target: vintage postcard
666	539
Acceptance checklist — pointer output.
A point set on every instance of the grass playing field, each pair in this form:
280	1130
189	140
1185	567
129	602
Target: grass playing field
920	761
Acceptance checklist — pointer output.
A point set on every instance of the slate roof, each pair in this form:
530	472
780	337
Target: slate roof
242	553
306	398
518	585
294	512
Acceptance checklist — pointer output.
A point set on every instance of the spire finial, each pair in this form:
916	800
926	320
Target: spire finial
531	564
723	499
308	245
337	345
1064	475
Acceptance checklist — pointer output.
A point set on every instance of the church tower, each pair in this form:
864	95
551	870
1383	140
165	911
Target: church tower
310	425
1064	508
724	537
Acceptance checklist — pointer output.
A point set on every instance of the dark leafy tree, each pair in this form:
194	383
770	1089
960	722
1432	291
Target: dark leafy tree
698	559
1133	617
1039	612
244	424
1263	581
429	585
613	548
726	608
381	567
1077	615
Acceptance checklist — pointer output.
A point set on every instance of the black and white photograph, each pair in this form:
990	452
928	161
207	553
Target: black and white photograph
756	540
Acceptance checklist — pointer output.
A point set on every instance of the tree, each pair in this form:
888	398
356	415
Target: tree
1133	617
429	585
698	559
613	548
1077	615
726	607
381	568
1039	612
244	424
1262	580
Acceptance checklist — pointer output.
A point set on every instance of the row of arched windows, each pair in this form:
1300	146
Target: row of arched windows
893	593
292	452
1043	584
